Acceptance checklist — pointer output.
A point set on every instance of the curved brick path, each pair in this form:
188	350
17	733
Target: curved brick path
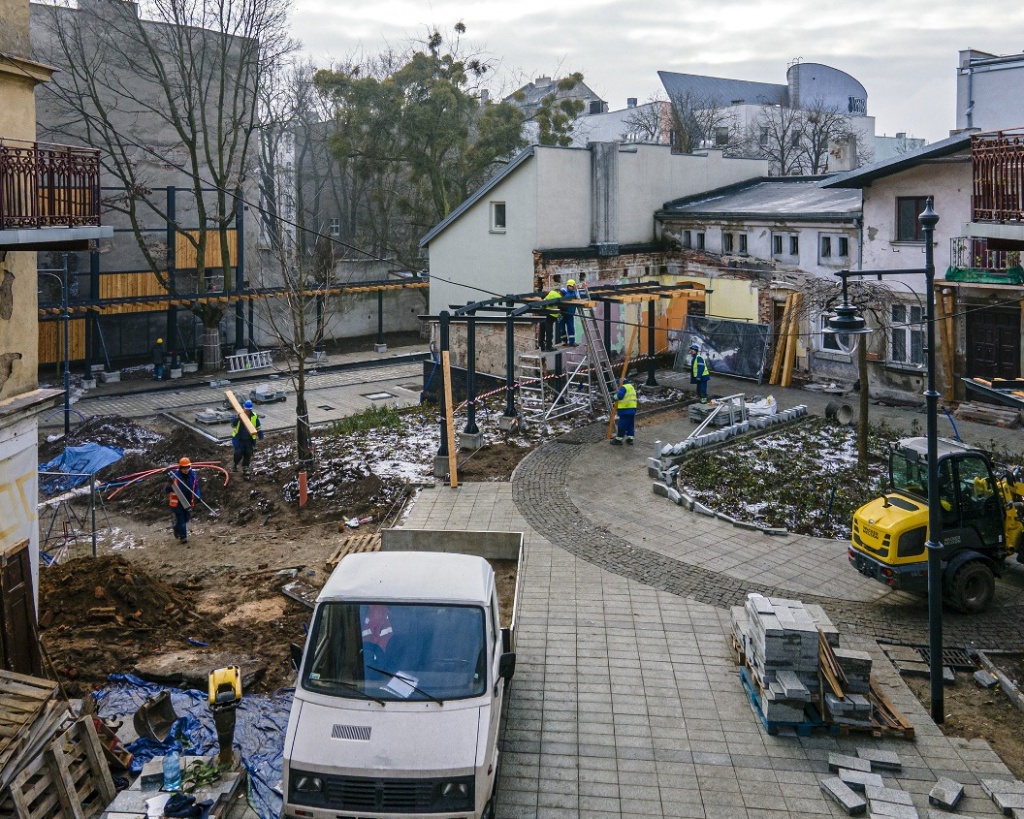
540	491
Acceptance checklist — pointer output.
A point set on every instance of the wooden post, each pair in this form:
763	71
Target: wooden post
242	414
446	369
789	361
622	377
779	343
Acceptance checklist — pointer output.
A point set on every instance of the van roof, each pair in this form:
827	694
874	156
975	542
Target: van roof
410	576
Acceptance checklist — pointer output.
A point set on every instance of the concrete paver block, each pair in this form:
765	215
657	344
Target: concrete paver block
984	679
994	786
892	810
841	793
661	489
858	780
851	763
884	794
938	814
946	793
1007	802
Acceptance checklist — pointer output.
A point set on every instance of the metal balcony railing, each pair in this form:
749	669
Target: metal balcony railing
998	160
972	260
43	186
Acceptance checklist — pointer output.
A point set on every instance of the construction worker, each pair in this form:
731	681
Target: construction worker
158	360
700	374
625	406
547	329
182	492
242	441
567	319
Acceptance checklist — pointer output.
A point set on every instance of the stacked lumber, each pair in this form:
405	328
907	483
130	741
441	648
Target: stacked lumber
30	716
848	674
786	342
987	414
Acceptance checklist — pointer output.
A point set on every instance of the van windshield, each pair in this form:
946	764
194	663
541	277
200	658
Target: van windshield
397	652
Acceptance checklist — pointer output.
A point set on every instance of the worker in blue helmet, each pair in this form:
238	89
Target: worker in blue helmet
242	440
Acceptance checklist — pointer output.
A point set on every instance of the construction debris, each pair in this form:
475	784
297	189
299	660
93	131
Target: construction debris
30	715
987	414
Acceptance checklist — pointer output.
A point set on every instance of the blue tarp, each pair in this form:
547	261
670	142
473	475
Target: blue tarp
259	732
83	460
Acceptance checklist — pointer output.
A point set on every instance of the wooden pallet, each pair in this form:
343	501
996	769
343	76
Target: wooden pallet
987	414
23	700
69	779
803	728
352	545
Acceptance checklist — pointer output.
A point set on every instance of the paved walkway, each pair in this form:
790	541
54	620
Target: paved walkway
626	700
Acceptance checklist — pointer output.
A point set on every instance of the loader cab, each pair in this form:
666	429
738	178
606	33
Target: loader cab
972	513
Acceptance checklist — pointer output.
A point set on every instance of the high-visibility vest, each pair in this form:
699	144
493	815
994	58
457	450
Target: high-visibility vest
628	401
188	483
377	625
238	425
700	366
553	294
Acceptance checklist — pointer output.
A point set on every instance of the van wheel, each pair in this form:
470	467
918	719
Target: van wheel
973	588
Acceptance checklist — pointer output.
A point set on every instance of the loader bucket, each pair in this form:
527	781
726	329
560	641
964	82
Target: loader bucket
155	717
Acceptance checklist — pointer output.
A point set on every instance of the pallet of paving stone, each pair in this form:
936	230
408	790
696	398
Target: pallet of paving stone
352	545
755	693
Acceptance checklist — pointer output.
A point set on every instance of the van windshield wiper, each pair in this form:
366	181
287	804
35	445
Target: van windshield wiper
355	689
408	682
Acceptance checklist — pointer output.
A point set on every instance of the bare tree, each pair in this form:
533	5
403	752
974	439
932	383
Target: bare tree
777	135
651	121
701	121
166	90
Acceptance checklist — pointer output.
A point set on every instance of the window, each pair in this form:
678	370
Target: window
908	208
834	342
907	334
335	227
687	239
826	247
764	136
497	217
794	245
727	243
777	245
844	246
743	243
721	136
700	240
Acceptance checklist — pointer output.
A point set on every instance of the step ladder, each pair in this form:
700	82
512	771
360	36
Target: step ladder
542	398
604	376
530	371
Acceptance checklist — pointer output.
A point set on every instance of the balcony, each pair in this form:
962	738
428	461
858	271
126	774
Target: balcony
976	260
998	160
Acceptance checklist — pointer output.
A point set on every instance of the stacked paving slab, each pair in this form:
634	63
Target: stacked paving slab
779	639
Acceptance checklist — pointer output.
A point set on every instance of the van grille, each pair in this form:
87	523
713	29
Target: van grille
360	732
384	795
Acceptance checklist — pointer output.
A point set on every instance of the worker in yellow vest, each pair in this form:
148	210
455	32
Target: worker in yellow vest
700	374
625	407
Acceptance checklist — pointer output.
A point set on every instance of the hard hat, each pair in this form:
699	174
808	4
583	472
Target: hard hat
571	283
247	405
184	462
694	347
159	341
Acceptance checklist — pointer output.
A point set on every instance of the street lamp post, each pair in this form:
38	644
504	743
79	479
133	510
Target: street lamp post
848	321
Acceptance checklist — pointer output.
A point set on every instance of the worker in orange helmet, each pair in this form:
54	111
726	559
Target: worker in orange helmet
182	490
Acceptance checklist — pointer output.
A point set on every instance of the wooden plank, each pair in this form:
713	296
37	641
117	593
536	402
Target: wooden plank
240	412
97	762
627	354
789	360
779	343
449	410
354	545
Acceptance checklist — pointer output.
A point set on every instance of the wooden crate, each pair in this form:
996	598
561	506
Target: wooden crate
69	779
353	544
22	700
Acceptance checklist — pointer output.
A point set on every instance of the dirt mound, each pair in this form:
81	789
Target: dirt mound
106	431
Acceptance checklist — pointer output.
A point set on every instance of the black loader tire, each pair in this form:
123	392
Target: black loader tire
973	588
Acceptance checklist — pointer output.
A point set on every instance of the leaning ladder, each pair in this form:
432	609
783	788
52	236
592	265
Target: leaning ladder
597	355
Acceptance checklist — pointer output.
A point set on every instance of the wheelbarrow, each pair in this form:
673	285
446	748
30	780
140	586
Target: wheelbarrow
155	717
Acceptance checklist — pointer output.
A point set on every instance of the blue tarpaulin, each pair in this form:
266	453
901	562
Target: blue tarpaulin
259	732
82	461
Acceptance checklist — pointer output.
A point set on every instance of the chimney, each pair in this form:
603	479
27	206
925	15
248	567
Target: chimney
901	135
631	102
596	107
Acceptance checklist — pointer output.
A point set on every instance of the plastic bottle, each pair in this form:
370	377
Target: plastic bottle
172	771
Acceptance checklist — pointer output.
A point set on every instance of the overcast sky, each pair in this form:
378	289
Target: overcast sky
903	52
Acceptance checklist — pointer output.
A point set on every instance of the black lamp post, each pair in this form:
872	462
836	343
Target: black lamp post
848	321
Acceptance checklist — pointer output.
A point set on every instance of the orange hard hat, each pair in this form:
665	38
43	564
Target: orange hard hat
184	462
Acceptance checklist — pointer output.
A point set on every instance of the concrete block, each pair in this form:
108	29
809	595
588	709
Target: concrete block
655	463
674	496
506	423
851	763
702	509
471	440
884	794
725	517
994	786
891	810
946	793
661	489
114	377
858	780
841	793
775	532
655	474
1007	802
686	500
938	814
984	679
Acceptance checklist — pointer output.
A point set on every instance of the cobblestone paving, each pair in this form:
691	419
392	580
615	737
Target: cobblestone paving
539	492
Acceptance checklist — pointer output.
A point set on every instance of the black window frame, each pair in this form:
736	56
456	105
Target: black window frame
908	225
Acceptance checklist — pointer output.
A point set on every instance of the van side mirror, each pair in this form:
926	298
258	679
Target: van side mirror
507	666
506	639
296	651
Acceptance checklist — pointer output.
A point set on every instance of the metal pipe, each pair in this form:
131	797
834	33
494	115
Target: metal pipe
443	328
929	218
380	318
510	367
471	427
651	380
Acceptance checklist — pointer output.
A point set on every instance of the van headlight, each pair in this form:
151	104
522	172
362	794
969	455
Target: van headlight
454	794
304	783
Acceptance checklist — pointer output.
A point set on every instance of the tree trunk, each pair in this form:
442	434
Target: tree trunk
211	348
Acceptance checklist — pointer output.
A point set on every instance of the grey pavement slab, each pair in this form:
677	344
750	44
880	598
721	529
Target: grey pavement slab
637	692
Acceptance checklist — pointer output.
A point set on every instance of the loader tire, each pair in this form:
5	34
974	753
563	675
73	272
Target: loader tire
973	588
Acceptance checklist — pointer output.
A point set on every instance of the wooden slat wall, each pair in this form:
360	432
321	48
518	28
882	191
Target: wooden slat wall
185	252
131	285
51	340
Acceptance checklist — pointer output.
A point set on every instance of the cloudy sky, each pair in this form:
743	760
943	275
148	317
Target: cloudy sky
904	51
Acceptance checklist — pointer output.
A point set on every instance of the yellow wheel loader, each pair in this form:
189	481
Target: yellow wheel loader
981	510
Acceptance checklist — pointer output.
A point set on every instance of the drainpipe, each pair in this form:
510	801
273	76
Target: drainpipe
969	113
